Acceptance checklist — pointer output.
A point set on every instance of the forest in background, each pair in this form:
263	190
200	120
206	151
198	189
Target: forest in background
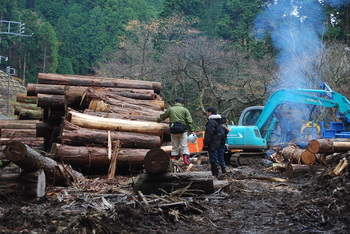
205	51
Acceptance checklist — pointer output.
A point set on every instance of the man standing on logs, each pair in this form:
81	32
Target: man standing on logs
180	121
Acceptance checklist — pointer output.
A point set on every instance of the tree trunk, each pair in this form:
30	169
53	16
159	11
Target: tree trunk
34	89
17	133
118	100
295	155
30	161
157	161
14	123
294	170
51	100
75	135
96	157
27	185
329	145
19	106
26	114
200	182
22	98
46	78
88	121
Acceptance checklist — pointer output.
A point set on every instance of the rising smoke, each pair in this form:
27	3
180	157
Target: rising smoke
296	28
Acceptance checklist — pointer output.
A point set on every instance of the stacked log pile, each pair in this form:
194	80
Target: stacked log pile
85	119
316	157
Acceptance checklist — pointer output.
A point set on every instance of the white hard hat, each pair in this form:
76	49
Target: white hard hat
192	138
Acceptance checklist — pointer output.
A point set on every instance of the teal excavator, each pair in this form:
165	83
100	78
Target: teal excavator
261	127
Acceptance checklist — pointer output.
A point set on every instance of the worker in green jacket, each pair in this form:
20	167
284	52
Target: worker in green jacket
180	123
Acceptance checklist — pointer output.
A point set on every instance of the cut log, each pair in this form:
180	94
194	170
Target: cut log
23	98
294	170
296	155
117	100
74	80
329	145
36	142
124	116
18	106
14	123
88	121
17	133
30	161
96	157
27	185
157	161
202	182
34	89
74	135
51	100
25	114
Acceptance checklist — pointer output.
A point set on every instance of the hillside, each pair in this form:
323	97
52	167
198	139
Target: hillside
14	86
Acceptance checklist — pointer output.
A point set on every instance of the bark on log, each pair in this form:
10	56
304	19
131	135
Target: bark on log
18	106
329	145
23	98
36	142
294	170
118	100
34	89
46	78
202	182
295	155
27	185
51	100
123	116
25	114
17	133
16	124
74	94
88	121
30	161
157	161
74	135
96	157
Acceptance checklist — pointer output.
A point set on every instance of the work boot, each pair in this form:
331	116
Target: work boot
186	158
215	170
223	169
174	157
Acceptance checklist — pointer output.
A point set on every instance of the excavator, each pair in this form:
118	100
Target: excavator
261	127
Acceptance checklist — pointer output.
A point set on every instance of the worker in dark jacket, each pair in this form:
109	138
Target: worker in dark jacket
180	123
212	139
225	129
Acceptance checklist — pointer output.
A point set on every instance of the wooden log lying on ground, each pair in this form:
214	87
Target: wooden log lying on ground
293	170
51	100
17	133
30	161
74	135
117	100
96	157
198	182
74	94
18	106
88	121
46	78
34	89
296	155
157	161
26	114
329	145
23	98
14	123
26	185
37	142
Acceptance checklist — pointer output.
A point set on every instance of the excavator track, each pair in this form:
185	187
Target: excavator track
238	159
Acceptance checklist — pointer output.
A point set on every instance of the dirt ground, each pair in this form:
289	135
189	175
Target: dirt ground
257	200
